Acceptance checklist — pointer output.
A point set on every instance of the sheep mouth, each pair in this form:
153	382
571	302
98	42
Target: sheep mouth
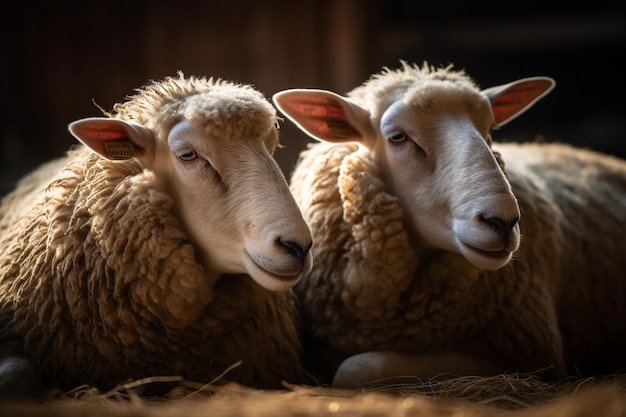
286	273
281	277
272	280
492	254
486	260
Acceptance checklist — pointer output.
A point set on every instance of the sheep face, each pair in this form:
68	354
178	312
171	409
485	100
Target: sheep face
215	158
431	140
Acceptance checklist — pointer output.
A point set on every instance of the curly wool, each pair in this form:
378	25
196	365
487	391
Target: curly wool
391	85
382	294
97	273
229	107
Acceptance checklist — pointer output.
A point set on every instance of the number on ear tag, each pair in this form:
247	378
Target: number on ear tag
119	150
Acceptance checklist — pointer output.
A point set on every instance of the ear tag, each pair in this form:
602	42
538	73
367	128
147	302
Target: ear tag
340	130
119	150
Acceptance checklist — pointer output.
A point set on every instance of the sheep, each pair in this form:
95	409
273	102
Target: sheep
438	252
165	243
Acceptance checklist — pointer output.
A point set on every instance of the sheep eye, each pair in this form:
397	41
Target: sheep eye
398	137
187	156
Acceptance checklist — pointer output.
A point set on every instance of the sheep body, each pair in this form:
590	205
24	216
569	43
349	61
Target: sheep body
100	281
380	303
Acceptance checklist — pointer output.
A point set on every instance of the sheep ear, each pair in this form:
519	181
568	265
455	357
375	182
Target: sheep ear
510	100
115	139
324	115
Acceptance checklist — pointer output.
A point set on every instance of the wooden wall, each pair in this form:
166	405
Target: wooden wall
61	57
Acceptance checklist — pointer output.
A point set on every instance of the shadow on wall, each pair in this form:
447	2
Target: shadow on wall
60	61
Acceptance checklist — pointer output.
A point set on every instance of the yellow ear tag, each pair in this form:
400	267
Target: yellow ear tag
119	150
340	130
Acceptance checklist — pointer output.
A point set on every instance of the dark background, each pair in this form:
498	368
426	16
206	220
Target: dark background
58	58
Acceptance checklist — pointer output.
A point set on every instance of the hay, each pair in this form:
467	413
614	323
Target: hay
444	396
505	391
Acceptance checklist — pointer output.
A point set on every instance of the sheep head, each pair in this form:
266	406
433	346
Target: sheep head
212	144
430	133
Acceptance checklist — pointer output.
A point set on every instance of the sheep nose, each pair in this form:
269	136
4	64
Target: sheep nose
501	226
295	249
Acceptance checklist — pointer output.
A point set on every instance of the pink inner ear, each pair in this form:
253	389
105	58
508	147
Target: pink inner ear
503	110
517	99
100	129
104	133
329	128
321	117
107	138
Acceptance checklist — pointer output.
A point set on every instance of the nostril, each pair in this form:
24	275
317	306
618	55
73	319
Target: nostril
501	226
295	248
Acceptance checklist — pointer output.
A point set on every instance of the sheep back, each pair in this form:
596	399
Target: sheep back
573	223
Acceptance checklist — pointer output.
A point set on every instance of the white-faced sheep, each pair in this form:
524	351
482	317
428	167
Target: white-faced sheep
437	254
166	243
